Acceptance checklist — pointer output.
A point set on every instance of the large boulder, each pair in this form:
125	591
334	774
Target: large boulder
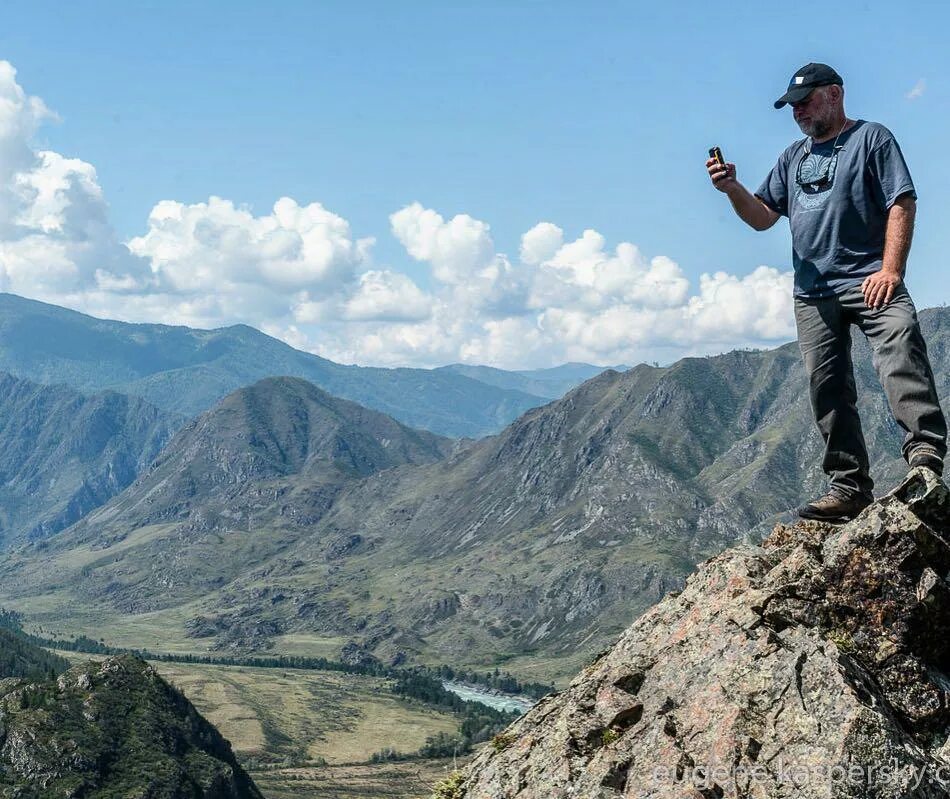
812	665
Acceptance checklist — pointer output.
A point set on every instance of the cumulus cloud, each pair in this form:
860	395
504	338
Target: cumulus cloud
455	249
215	244
297	271
20	118
541	242
757	306
582	273
566	300
728	312
55	236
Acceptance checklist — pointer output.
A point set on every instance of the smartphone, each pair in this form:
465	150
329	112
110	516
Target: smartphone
715	152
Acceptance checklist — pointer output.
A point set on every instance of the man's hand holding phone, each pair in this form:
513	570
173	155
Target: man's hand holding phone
722	174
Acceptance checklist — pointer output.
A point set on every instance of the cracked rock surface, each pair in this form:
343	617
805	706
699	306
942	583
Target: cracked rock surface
813	665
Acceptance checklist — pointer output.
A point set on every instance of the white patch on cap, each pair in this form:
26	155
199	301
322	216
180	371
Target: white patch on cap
799	79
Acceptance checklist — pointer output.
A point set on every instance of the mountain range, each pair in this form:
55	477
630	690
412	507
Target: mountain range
186	371
76	427
532	547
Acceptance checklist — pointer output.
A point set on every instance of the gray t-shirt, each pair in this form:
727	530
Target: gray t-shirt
838	225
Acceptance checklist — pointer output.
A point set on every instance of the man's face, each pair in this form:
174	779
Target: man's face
815	114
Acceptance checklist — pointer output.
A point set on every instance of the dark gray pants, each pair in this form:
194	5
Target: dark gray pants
899	355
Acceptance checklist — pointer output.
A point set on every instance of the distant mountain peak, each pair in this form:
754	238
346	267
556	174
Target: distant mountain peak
284	425
281	447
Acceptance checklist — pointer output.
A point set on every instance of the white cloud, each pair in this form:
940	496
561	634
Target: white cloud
455	249
20	117
569	301
728	312
757	306
541	242
919	88
215	244
55	237
430	342
582	274
500	341
298	272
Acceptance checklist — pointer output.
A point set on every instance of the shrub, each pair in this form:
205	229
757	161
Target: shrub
450	787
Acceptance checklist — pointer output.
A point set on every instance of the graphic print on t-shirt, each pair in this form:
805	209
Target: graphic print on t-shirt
808	196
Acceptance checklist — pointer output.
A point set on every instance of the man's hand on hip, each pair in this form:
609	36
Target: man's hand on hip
879	288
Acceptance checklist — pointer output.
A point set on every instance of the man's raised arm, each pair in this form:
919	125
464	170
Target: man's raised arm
750	209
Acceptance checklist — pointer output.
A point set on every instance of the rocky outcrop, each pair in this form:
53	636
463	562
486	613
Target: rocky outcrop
111	729
813	665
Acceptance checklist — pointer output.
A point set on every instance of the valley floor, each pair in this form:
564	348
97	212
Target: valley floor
406	780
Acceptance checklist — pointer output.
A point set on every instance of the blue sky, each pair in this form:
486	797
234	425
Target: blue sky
588	116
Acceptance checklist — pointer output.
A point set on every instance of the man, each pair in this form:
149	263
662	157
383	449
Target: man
850	201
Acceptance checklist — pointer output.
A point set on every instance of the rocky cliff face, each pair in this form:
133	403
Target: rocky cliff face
813	665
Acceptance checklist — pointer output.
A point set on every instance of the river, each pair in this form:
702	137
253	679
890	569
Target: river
493	699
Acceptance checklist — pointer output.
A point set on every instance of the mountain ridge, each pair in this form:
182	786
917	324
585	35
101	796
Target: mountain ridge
550	383
530	547
185	370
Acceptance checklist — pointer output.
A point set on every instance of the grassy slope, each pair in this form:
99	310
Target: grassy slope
275	715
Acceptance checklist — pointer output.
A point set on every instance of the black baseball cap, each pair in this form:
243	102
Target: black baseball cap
807	78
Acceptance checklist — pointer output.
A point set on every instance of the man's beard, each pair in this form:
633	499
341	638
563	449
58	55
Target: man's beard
817	128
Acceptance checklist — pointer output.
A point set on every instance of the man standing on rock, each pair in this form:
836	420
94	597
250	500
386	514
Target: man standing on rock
850	202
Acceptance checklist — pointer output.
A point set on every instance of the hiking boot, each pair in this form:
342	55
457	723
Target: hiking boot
835	506
927	456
